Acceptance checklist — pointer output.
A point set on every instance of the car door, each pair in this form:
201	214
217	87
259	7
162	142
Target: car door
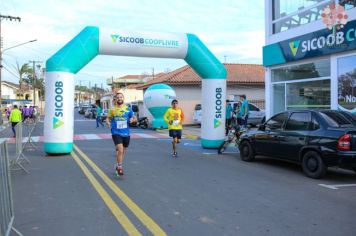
255	114
295	135
267	139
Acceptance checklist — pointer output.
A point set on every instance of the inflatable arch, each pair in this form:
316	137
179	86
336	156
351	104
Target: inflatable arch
90	42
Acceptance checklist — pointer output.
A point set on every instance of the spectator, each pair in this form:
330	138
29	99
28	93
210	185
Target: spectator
99	112
228	116
237	113
244	111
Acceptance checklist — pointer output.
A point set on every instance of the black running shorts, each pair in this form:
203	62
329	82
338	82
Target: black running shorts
125	140
175	133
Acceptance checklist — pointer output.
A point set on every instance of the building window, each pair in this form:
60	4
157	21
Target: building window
303	71
311	95
301	86
278	97
289	14
346	68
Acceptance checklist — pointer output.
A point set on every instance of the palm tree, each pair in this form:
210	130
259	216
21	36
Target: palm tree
25	73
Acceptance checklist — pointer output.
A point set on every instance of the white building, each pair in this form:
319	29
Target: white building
242	79
310	55
12	94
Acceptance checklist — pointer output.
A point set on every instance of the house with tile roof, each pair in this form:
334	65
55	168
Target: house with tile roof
242	79
11	93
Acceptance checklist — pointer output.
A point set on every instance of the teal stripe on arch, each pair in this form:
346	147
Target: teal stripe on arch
206	143
76	53
203	62
58	148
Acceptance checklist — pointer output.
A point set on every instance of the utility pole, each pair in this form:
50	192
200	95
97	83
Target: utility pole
80	94
225	58
96	94
112	83
89	91
1	43
34	79
153	72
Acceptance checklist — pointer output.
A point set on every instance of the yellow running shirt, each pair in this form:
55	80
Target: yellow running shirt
176	116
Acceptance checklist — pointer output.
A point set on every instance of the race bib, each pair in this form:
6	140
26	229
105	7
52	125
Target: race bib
121	124
176	122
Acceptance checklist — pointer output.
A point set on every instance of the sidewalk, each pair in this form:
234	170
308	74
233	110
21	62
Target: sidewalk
189	131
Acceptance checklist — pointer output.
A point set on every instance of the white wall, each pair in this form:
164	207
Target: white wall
8	91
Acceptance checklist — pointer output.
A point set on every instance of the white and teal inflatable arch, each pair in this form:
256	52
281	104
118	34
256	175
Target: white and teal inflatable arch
91	41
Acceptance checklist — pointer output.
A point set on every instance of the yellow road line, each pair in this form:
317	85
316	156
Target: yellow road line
136	210
116	211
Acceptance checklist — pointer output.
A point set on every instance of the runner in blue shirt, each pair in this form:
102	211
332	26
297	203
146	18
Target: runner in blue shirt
119	118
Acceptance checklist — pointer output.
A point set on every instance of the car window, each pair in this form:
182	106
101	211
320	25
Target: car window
276	122
299	121
252	107
336	119
350	116
197	107
314	124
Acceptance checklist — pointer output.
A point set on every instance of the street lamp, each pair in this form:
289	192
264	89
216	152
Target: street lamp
1	52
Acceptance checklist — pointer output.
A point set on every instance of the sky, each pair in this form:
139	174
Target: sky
232	30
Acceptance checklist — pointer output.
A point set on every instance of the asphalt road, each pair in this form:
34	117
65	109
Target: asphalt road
198	193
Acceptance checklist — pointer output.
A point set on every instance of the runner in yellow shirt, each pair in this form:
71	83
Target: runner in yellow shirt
15	118
174	117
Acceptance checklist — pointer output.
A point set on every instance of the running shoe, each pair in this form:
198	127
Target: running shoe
119	170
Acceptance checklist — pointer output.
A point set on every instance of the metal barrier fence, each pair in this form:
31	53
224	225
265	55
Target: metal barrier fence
16	163
7	216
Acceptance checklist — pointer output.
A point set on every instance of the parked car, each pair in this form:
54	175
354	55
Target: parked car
90	113
256	115
83	108
197	114
317	139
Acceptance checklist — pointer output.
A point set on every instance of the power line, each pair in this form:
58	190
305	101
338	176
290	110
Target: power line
9	71
3	17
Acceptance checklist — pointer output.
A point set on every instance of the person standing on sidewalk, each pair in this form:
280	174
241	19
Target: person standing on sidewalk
174	117
15	118
228	116
244	111
99	112
119	118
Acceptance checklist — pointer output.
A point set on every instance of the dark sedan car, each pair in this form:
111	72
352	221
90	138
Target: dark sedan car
315	138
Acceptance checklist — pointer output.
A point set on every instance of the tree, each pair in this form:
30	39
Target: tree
24	72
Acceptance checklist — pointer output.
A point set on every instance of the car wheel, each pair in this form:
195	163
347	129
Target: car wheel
246	151
313	165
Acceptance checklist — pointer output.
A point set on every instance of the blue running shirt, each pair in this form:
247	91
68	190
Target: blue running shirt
120	118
